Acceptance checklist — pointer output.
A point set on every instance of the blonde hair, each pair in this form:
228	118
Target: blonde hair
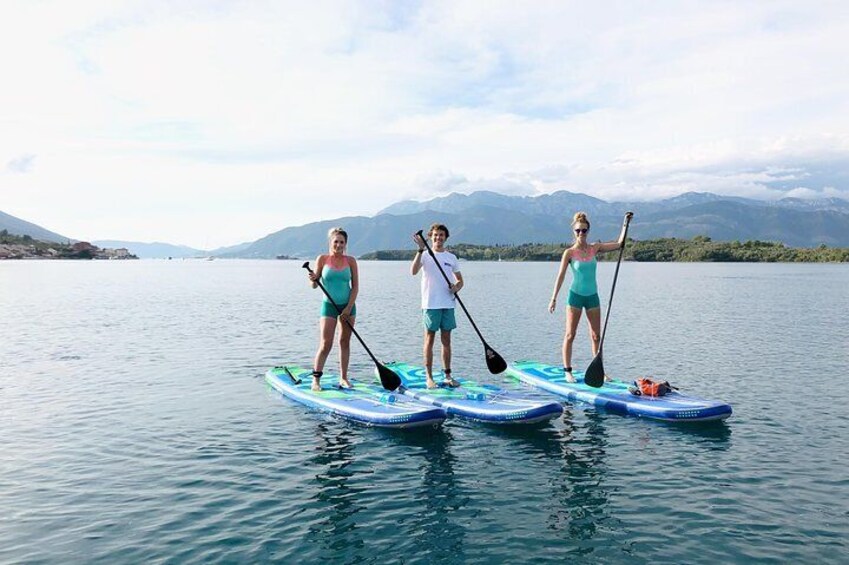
337	231
581	218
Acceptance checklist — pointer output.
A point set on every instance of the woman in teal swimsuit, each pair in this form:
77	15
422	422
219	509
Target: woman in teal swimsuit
339	275
583	292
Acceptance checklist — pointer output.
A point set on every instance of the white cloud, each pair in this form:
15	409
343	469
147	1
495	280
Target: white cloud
21	164
213	124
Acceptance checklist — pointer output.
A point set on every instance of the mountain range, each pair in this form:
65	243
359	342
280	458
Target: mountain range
490	218
143	250
17	226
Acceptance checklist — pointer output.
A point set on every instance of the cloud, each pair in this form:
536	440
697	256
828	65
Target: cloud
209	124
21	164
442	183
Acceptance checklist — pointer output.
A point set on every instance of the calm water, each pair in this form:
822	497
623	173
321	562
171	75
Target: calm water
135	425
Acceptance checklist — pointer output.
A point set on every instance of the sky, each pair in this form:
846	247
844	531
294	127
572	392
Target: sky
211	123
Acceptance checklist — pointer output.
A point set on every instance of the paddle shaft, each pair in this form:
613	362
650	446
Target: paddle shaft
463	306
613	289
347	321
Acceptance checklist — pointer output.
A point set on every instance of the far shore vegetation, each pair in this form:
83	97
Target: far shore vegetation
698	249
25	247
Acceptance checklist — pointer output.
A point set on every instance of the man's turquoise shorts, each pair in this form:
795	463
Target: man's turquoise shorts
439	319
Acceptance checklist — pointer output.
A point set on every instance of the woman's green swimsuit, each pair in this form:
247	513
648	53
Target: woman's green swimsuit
583	292
337	282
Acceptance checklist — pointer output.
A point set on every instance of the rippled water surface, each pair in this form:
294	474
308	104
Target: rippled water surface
135	425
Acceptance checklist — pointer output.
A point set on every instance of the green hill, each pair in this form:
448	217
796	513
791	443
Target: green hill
700	248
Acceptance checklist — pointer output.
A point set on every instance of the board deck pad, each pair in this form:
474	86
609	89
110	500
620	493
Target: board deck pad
366	403
475	401
615	397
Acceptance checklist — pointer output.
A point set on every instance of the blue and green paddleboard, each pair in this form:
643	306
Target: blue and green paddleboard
615	397
365	403
480	402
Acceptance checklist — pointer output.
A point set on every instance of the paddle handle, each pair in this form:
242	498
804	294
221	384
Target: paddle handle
615	276
291	376
306	266
420	233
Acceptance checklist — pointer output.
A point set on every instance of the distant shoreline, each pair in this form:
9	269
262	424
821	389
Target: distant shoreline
700	249
24	247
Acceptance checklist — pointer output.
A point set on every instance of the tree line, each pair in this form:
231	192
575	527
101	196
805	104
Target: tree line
697	249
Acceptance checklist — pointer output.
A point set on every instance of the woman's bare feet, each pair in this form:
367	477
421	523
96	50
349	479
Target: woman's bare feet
569	378
345	383
316	384
429	382
448	380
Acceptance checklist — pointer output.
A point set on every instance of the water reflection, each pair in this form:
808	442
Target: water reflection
337	534
714	435
440	494
580	487
573	460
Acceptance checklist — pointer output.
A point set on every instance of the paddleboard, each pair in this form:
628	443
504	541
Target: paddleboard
614	396
480	402
365	403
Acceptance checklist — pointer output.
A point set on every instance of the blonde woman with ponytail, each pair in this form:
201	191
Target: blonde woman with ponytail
583	291
340	276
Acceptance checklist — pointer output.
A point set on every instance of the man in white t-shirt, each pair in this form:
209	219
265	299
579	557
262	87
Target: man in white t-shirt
437	298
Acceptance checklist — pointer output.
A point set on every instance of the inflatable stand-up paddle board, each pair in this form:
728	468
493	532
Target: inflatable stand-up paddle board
615	397
365	403
480	402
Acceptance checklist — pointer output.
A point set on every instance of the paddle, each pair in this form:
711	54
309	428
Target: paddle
291	376
594	375
388	378
494	362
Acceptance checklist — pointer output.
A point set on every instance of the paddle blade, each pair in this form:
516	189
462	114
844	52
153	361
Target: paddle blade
594	376
494	362
389	379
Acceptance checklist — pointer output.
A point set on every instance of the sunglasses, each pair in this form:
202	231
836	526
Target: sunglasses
581	230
